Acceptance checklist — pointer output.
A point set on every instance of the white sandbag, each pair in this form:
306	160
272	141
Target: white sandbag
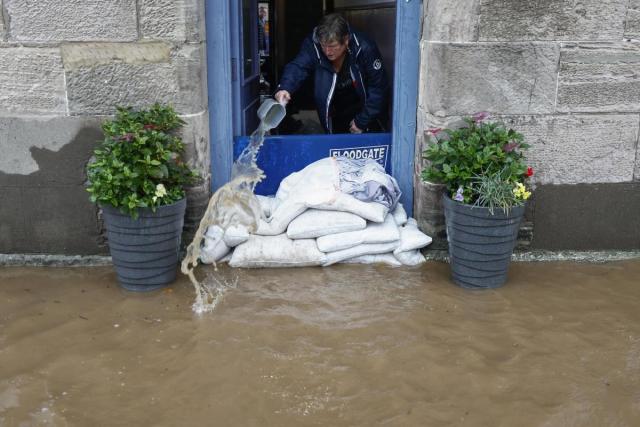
235	235
267	204
371	211
315	223
411	238
384	232
387	259
316	186
410	258
356	251
400	215
214	247
276	251
280	219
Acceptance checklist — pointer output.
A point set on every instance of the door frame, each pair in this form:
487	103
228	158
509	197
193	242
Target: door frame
405	92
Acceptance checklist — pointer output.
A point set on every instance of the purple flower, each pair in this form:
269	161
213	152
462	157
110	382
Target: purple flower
507	148
479	117
459	197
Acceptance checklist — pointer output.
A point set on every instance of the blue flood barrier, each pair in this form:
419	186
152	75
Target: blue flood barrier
280	156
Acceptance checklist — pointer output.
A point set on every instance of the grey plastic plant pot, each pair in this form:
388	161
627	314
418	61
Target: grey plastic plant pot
480	243
145	250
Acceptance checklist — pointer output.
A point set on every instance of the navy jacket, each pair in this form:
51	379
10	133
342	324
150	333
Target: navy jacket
367	73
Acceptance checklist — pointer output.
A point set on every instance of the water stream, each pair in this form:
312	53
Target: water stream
232	204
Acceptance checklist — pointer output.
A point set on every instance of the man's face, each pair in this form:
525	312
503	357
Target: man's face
334	49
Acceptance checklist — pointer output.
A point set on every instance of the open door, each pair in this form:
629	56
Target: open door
233	75
245	63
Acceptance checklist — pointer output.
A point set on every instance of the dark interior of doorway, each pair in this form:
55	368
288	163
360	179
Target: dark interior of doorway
288	22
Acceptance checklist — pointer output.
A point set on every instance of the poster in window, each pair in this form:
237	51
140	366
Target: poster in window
263	28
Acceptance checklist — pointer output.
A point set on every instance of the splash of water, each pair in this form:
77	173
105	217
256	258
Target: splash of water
233	204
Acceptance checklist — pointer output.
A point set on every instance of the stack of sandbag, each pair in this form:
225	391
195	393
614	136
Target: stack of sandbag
334	210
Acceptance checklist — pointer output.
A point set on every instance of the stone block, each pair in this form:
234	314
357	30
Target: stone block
517	20
428	211
71	20
451	20
79	55
30	145
195	135
3	29
599	78
514	78
632	24
31	81
580	148
99	88
175	20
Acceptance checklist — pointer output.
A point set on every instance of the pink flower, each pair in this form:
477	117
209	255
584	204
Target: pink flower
478	117
507	148
434	131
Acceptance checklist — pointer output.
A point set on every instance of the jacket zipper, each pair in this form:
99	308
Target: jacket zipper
333	86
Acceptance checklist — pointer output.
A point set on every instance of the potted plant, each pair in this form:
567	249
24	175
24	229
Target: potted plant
137	178
483	169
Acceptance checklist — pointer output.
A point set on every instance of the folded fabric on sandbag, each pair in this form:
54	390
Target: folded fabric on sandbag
316	186
276	251
315	223
384	232
366	180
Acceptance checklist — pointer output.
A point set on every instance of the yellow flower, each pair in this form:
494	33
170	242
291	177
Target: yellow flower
521	192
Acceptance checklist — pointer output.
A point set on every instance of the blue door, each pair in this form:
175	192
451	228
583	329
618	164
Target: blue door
233	74
245	64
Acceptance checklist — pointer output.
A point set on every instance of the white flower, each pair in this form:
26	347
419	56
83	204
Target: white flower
160	190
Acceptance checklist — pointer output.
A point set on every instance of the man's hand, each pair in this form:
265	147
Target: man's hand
353	128
283	97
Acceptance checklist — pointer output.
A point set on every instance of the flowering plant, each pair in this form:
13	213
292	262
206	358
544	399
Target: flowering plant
138	164
480	163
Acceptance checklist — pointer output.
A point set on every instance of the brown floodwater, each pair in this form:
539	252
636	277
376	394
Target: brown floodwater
559	345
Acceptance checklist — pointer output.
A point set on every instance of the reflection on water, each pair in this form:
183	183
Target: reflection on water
340	346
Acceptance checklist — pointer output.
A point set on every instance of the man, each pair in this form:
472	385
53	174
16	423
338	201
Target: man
351	86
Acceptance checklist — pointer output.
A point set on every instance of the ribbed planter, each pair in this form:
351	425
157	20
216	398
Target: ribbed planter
480	244
145	250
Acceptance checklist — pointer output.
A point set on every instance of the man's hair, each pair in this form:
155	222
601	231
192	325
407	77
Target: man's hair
332	28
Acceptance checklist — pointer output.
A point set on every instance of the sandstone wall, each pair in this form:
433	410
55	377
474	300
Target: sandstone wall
567	75
64	66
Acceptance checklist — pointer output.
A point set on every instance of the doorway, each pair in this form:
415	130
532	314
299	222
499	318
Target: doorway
250	41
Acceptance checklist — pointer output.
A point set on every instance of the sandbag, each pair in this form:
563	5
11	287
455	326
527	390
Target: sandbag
400	215
410	258
356	251
411	238
387	259
384	232
235	235
315	223
267	204
213	247
276	251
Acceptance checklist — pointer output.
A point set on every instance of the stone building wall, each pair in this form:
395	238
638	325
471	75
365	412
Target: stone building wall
64	66
567	75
